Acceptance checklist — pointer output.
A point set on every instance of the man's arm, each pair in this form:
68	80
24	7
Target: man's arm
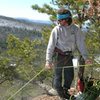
80	42
50	48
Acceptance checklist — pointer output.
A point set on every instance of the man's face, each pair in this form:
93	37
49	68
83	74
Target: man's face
62	22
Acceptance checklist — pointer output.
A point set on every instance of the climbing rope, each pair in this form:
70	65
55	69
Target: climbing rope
26	84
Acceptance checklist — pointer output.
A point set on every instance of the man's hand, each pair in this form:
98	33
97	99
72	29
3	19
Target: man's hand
89	62
48	66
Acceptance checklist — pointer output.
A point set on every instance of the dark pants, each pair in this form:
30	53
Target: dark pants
68	73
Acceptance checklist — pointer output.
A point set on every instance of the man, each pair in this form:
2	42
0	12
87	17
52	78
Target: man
64	40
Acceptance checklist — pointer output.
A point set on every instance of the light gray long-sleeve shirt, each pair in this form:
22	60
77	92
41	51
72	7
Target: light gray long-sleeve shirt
66	38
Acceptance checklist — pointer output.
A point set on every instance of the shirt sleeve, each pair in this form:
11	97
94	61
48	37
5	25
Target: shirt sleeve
51	45
80	42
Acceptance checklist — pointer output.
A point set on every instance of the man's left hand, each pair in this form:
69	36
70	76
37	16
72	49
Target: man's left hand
89	62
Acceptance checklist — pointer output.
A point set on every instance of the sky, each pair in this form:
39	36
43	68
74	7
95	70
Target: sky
22	9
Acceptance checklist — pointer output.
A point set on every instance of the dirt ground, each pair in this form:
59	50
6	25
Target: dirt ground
46	97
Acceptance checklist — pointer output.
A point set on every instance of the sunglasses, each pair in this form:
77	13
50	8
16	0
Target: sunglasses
61	20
